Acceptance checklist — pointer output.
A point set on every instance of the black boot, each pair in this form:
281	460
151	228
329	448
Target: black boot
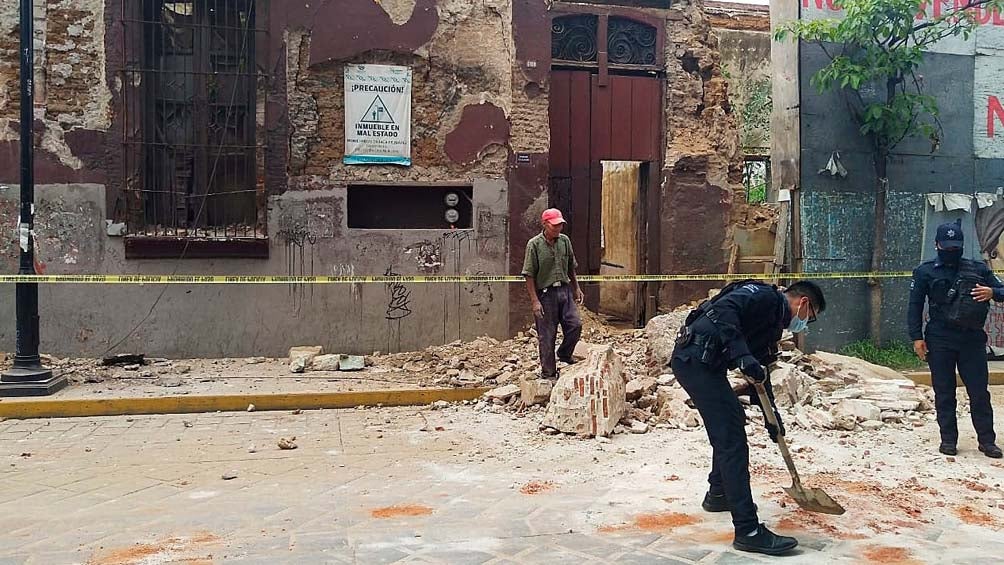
765	541
949	448
991	450
715	503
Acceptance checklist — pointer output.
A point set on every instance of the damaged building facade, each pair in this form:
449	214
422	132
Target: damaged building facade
209	137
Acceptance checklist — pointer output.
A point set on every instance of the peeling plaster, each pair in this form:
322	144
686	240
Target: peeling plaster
481	126
400	11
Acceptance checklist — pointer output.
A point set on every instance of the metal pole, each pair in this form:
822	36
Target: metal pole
28	377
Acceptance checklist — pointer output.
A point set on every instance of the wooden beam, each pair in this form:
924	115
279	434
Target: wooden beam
785	143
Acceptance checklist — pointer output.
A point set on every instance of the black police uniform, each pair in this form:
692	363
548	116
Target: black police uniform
748	320
950	346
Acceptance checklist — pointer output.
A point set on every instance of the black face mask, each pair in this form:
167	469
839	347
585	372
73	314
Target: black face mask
950	256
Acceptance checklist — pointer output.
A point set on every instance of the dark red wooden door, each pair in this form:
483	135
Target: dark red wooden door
591	123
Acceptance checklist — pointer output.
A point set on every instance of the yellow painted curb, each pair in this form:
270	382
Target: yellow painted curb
924	378
71	408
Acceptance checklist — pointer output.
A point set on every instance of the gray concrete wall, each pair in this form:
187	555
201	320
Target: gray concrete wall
838	213
249	320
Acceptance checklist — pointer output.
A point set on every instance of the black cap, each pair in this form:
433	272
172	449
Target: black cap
950	235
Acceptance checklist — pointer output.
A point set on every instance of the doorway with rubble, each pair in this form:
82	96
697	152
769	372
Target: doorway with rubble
606	93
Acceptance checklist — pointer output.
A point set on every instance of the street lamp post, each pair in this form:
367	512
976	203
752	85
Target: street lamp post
28	377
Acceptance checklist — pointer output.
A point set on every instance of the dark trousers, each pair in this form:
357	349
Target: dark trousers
725	422
559	309
950	348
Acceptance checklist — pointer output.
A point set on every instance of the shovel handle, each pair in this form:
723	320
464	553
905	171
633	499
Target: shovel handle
768	413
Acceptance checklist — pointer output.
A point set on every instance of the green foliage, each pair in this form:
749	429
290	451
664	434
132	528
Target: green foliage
757	194
875	51
897	355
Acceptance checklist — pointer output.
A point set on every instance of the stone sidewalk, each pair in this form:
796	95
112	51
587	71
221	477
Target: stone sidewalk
410	485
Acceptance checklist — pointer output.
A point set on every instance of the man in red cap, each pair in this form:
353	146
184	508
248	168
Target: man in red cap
549	268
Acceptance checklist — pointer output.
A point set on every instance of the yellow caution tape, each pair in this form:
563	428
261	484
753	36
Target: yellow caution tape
412	279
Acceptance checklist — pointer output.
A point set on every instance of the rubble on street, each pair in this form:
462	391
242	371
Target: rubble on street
820	391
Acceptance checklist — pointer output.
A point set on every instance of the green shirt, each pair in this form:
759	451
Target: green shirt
547	263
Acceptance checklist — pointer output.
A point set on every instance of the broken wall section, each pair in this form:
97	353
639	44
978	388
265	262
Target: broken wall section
702	192
71	91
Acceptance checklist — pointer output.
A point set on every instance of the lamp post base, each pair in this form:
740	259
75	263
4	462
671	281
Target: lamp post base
31	381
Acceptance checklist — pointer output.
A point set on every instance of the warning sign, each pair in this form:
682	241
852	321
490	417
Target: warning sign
377	115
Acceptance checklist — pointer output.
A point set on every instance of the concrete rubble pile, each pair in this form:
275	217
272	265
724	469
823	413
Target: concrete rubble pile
822	391
486	361
819	391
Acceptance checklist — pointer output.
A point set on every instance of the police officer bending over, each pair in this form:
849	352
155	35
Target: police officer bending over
958	292
739	328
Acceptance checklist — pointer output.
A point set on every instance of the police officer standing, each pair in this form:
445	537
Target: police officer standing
957	292
739	328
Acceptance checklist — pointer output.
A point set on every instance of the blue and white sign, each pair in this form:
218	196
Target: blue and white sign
377	115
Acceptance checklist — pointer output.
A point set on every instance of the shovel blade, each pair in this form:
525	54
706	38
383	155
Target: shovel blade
814	500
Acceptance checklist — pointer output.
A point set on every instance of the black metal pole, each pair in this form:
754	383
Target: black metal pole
28	377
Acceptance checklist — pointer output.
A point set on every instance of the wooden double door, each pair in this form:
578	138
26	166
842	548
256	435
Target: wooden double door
604	169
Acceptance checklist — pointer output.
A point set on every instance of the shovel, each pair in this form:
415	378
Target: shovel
811	499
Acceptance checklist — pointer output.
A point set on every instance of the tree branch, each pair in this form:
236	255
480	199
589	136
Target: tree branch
939	20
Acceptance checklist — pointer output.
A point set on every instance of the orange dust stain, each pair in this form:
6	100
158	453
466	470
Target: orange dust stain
537	487
661	522
890	555
802	520
974	517
399	511
144	552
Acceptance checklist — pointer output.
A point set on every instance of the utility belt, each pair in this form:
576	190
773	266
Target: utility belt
710	346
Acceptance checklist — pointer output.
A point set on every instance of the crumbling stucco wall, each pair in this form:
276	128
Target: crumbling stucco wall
702	184
461	80
461	54
71	91
748	63
480	116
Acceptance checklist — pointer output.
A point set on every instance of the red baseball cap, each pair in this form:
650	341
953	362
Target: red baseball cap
552	216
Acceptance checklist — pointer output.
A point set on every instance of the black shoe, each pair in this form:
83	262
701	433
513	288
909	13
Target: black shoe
950	449
569	361
765	541
715	503
991	450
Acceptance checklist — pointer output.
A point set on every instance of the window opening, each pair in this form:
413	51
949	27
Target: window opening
193	89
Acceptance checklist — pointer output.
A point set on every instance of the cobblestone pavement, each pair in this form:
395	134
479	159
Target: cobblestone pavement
413	485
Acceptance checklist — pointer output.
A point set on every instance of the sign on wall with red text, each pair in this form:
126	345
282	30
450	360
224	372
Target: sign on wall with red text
986	45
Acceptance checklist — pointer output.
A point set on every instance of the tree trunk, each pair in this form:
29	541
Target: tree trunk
878	245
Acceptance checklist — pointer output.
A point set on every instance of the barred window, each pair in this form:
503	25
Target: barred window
577	40
194	147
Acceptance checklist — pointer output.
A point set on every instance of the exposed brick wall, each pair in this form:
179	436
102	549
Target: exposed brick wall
703	161
71	91
467	61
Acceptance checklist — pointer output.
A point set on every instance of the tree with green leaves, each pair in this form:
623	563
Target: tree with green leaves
879	45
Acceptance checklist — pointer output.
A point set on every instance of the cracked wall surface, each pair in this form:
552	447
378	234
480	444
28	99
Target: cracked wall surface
480	100
70	62
702	188
465	63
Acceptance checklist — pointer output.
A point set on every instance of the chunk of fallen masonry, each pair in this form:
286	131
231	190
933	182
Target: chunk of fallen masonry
535	391
301	357
503	393
325	363
588	399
